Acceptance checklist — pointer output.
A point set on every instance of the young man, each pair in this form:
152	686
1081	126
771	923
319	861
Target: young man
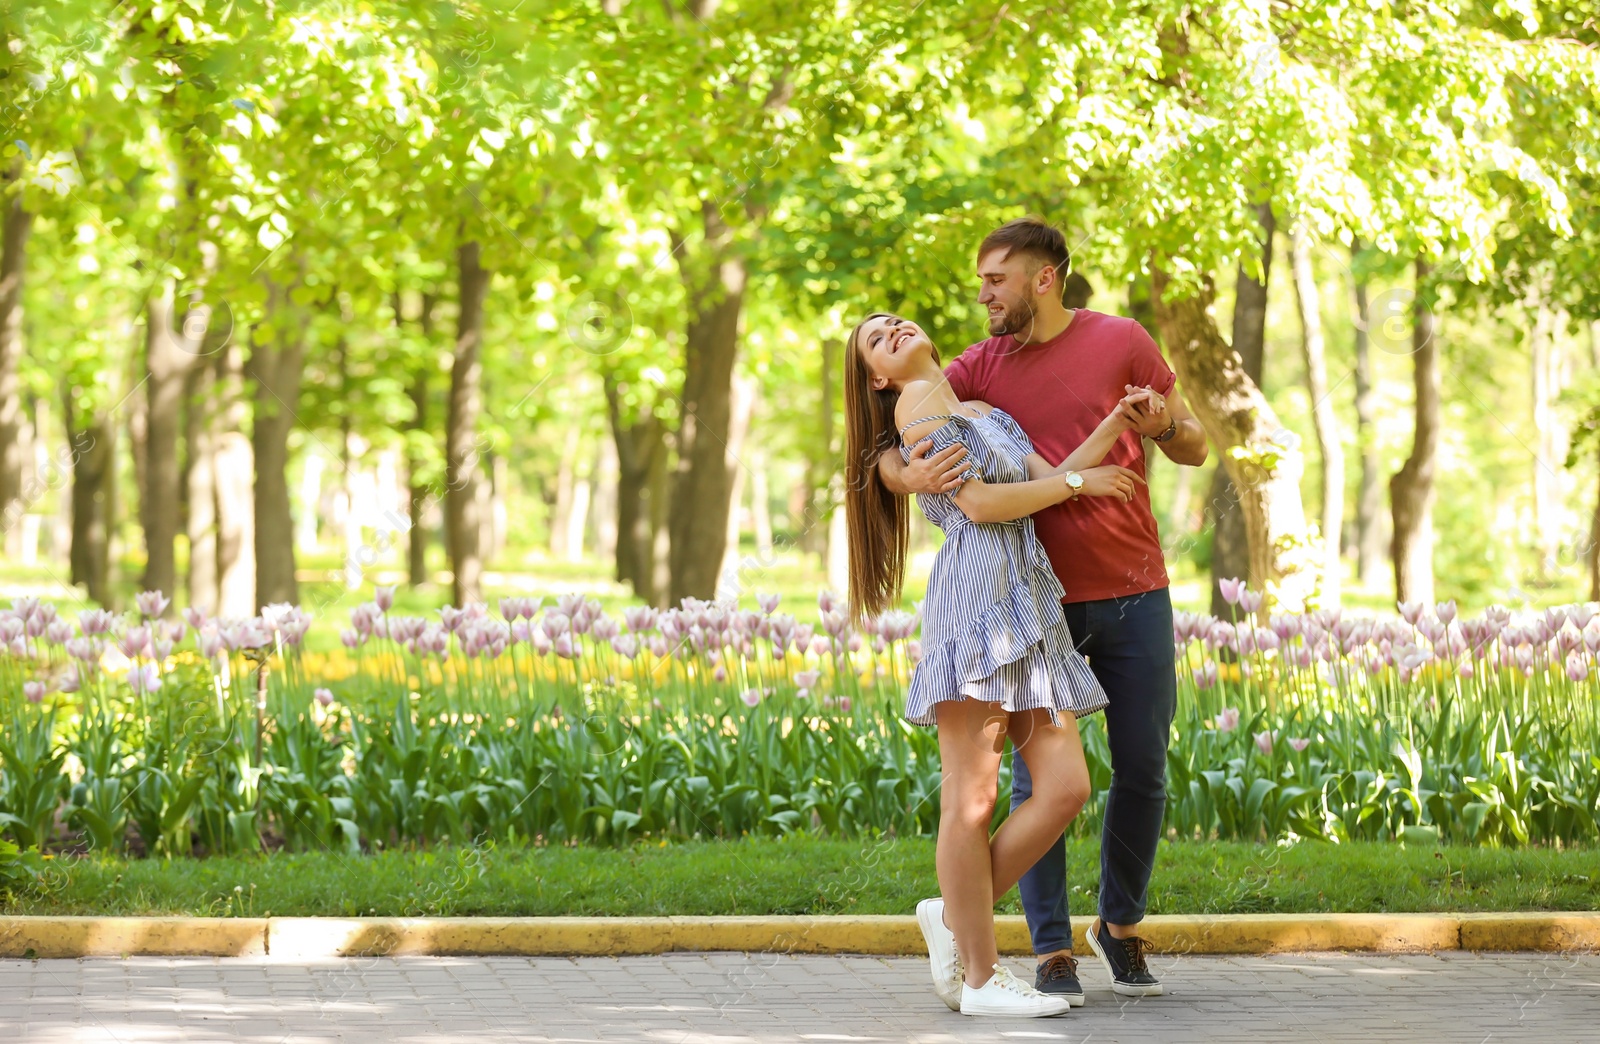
1058	371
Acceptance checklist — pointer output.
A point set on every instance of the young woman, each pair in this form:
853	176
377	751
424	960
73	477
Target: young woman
998	661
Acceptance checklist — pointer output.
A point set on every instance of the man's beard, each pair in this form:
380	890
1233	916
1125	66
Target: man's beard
1016	319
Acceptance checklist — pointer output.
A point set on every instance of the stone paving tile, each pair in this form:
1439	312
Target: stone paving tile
732	998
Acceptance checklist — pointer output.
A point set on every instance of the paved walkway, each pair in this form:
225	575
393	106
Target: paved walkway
728	998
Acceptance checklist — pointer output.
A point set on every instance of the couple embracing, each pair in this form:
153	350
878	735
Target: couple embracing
1047	601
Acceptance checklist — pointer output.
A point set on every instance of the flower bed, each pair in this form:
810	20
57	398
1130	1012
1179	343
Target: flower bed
560	723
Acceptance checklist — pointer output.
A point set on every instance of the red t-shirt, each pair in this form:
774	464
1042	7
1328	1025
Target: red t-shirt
1059	391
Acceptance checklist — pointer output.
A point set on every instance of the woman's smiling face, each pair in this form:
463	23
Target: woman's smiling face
894	350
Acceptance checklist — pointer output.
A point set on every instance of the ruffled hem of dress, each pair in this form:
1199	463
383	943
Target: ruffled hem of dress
1001	634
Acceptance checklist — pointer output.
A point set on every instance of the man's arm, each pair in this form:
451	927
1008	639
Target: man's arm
939	473
1154	414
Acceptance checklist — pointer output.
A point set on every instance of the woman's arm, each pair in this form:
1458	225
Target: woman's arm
1003	501
1091	452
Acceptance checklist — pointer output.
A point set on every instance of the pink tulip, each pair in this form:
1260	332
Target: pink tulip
914	651
1580	615
1445	611
568	604
1250	601
323	696
768	603
1299	744
70	681
33	690
659	647
145	678
720	674
1228	720
1231	588
843	704
383	597
1264	742
625	645
151	603
95	621
135	642
751	697
1206	676
1577	667
827	601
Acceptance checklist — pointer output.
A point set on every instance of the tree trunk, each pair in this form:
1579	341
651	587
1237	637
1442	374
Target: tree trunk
199	481
275	368
171	347
416	489
461	430
1549	430
566	488
1230	546
715	280
1235	414
657	563
1370	550
578	517
235	505
1313	349
745	394
641	449
605	501
93	469
13	262
1411	489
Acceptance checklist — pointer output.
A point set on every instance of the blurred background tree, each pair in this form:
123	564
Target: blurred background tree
490	297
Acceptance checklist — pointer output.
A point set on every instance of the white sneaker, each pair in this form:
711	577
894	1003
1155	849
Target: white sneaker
1005	994
943	960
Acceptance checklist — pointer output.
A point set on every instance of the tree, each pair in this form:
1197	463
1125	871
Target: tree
1326	423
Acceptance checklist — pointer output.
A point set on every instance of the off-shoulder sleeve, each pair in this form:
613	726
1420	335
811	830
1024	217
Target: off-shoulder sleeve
943	437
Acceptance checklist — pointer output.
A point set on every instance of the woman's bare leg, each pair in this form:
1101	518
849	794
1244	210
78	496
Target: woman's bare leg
1054	754
971	738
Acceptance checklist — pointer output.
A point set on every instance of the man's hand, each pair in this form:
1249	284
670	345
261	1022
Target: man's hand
1146	409
939	473
1109	480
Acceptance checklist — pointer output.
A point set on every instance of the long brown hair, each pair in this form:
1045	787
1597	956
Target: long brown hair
879	521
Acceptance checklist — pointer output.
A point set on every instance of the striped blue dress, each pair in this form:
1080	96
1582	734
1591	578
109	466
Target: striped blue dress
992	625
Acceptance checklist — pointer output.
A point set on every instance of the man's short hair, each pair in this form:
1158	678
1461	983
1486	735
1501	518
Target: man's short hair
1032	237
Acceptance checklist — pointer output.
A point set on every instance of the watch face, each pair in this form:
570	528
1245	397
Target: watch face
1075	480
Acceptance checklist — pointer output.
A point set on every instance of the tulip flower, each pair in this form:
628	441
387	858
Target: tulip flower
1299	744
1264	741
1206	676
151	603
1231	588
323	696
768	603
145	678
751	697
33	690
384	598
1228	720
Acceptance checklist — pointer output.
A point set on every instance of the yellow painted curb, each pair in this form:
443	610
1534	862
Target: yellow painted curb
130	936
1563	932
322	937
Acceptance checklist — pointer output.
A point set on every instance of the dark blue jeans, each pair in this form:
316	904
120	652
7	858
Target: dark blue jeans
1128	642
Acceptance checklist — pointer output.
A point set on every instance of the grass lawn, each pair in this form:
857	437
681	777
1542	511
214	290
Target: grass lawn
806	876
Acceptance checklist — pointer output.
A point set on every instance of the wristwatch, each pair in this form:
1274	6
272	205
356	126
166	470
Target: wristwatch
1074	482
1172	429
